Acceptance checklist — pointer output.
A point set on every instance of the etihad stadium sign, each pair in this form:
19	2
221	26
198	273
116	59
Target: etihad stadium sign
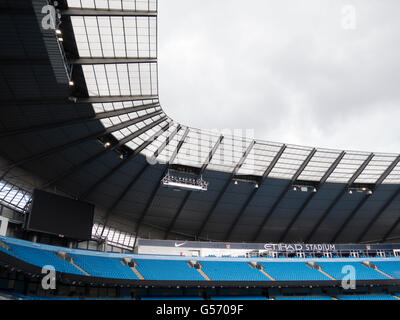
299	247
276	247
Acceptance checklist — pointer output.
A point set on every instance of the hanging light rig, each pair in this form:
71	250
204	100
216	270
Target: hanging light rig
184	183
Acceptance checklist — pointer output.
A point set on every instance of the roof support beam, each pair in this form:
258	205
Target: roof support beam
394	226
225	187
366	197
283	193
339	196
254	191
387	204
104	12
137	176
312	194
75	142
188	193
122	195
78	167
379	213
68	122
91	61
23	61
155	190
74	99
131	157
104	99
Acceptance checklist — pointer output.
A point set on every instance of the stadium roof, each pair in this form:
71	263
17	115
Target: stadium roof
107	140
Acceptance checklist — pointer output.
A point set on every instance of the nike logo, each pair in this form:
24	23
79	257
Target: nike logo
179	244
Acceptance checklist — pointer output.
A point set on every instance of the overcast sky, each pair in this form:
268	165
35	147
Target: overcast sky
299	72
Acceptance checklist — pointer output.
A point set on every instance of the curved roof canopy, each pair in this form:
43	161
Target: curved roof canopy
106	139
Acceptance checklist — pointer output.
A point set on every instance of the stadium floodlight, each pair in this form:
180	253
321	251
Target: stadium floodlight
71	83
184	183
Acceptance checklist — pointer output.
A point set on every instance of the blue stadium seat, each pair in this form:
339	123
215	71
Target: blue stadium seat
232	271
104	267
172	298
292	271
367	297
41	258
303	298
152	269
238	298
361	272
392	268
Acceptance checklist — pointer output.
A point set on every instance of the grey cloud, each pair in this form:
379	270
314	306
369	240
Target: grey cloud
285	68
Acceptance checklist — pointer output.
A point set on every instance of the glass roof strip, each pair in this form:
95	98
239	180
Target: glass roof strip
394	176
110	106
319	165
13	196
115	37
124	5
196	148
375	169
347	167
259	159
153	147
290	161
229	153
146	136
166	154
108	80
122	133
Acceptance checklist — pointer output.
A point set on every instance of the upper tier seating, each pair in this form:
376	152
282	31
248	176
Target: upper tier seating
99	264
292	271
238	298
172	298
303	298
41	258
232	271
105	267
367	297
392	268
167	270
361	272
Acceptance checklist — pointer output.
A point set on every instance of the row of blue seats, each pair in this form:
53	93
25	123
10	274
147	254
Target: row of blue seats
158	269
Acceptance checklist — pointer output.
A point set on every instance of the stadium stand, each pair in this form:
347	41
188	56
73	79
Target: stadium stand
367	297
303	298
40	257
106	267
362	272
167	270
238	298
292	271
389	267
232	271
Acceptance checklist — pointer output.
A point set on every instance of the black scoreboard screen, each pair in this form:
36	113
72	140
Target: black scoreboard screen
62	216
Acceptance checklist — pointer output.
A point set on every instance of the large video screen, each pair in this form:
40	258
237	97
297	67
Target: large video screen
58	215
